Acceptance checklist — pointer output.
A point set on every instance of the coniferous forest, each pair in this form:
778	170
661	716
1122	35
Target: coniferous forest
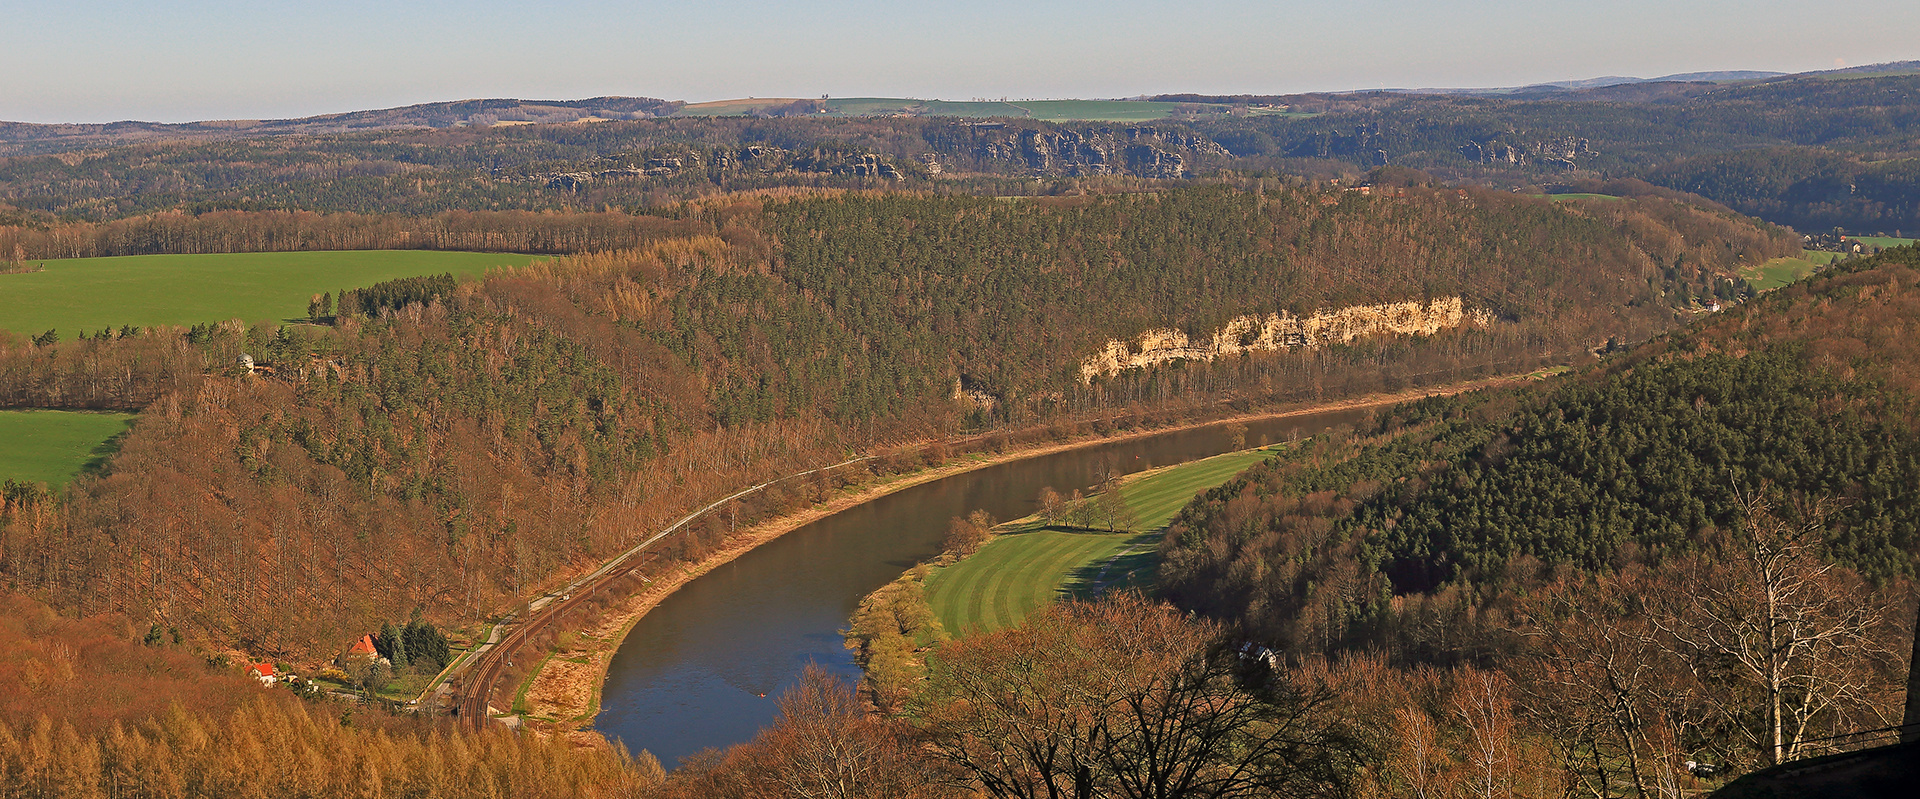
1524	591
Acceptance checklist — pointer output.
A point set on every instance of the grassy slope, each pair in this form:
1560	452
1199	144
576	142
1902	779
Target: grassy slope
87	294
1030	564
52	446
1781	271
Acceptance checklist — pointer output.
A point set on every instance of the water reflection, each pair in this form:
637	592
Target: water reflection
703	669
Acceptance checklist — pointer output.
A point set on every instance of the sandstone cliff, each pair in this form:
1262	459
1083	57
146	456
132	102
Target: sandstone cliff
1283	331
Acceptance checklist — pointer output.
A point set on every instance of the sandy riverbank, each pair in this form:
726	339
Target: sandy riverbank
565	694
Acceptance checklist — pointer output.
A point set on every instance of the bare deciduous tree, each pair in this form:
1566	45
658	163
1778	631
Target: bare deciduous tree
1126	698
1770	615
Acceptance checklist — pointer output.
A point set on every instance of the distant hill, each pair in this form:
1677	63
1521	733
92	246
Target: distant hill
1815	150
18	138
1576	86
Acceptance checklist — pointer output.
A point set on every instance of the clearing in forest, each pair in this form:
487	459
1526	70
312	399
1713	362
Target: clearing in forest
52	446
76	295
1882	242
1783	270
1030	564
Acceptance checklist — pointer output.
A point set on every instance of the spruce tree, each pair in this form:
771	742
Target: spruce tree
392	645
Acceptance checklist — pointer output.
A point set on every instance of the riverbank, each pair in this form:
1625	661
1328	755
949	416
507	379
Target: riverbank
564	695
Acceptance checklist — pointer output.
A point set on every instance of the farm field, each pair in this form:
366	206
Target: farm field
1031	564
1781	271
52	446
727	108
1048	110
1102	110
1881	241
79	295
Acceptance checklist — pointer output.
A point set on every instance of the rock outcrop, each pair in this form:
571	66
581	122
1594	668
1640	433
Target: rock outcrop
1283	331
1140	150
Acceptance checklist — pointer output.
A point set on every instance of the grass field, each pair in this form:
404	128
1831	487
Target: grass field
1101	110
1030	565
52	446
1781	271
87	294
1881	241
1560	198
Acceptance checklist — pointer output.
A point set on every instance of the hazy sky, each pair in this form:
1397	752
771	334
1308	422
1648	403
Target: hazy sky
179	60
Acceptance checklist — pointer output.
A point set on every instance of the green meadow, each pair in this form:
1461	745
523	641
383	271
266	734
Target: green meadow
52	446
87	294
1881	241
1030	564
1781	271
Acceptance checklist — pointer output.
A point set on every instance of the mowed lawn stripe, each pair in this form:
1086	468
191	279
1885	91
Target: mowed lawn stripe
1045	575
1156	498
1009	577
1014	585
1031	566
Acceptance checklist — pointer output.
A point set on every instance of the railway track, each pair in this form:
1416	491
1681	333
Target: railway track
470	700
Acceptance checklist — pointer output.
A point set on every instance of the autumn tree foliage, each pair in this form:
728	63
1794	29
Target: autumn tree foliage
824	745
451	446
284	748
966	534
1127	698
1700	550
102	707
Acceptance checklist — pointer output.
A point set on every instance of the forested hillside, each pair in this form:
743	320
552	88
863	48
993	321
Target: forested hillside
1625	517
455	453
1811	151
92	708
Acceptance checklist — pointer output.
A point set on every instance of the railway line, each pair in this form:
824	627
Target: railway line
488	665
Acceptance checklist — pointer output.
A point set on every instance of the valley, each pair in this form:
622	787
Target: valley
1392	443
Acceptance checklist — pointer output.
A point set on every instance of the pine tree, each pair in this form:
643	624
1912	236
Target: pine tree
392	645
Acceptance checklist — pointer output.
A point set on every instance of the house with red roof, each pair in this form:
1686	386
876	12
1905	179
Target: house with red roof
362	652
263	672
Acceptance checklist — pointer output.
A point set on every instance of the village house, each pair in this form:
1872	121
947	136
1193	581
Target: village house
263	672
362	652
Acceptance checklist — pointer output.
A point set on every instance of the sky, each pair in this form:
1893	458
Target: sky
184	60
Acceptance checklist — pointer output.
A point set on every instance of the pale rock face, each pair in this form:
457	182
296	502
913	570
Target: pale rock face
1283	331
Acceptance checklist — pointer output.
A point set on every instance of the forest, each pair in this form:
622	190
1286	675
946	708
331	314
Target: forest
1807	151
89	710
452	445
1605	542
443	448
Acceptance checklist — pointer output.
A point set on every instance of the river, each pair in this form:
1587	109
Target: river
703	668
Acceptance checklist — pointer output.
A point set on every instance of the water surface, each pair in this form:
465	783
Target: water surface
703	668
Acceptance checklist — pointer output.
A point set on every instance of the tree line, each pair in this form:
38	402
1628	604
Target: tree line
229	231
1620	545
451	447
1802	151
